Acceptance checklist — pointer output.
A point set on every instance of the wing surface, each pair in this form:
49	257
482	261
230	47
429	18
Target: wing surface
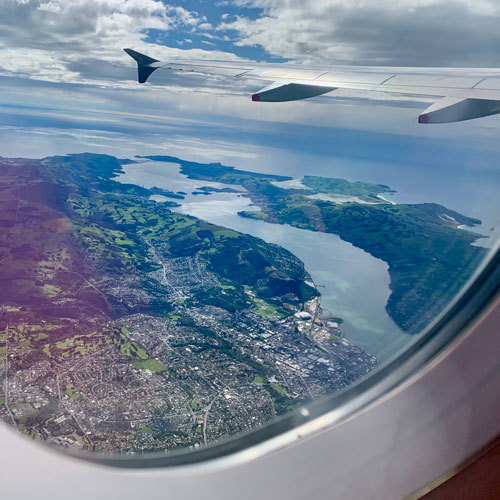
460	94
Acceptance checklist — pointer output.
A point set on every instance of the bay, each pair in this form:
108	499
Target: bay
353	284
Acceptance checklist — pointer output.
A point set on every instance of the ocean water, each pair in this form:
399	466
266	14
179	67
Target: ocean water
469	184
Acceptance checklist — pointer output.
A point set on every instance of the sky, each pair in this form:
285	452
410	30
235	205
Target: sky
67	86
62	39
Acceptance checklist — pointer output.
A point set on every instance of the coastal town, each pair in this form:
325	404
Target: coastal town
128	328
165	383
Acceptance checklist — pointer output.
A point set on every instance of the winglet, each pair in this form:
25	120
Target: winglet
143	64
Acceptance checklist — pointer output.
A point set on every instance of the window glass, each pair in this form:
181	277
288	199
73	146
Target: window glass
180	264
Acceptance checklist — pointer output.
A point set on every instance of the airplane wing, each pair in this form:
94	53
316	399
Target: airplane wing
461	94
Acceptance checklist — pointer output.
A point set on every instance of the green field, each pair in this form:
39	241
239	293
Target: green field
333	186
152	365
278	389
72	392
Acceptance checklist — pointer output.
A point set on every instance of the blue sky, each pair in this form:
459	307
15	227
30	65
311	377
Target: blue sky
215	13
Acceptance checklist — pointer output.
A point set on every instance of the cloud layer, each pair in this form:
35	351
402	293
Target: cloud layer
81	40
390	32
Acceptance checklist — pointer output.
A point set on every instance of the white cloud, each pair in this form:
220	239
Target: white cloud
399	32
56	39
81	41
205	26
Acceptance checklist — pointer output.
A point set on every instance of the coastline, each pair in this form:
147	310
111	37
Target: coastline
343	273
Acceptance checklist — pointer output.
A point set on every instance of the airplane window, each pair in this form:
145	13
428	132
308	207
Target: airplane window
182	264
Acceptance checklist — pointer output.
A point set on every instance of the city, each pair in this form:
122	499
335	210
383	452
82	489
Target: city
127	328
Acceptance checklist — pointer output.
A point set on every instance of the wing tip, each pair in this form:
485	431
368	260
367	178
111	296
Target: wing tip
143	64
